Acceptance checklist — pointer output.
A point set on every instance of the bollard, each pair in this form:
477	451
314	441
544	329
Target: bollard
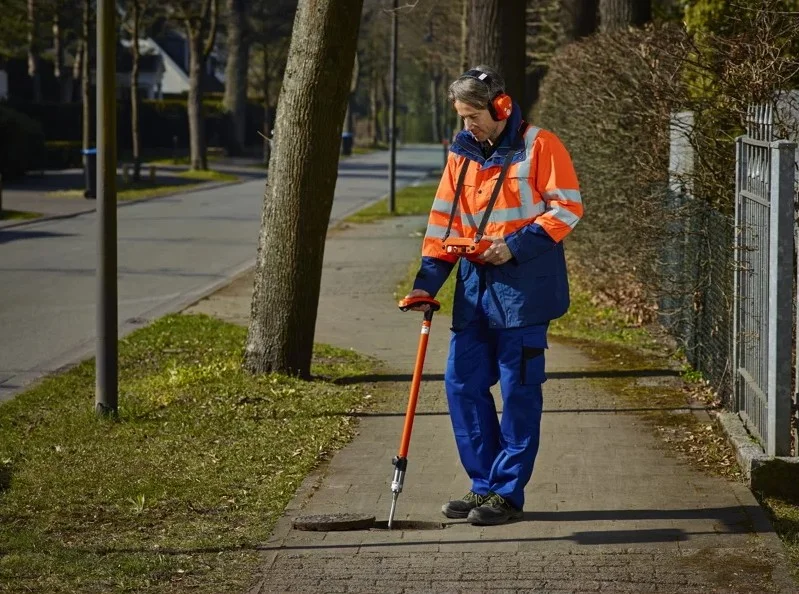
152	173
126	174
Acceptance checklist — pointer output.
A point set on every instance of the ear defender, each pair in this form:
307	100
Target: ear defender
501	105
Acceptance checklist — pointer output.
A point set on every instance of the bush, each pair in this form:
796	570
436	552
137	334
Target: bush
63	154
608	99
21	143
161	121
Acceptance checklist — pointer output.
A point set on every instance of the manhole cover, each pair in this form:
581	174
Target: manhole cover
328	522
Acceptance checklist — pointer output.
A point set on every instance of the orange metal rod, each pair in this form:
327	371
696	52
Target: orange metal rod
414	395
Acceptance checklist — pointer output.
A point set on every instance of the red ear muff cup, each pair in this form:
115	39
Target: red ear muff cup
501	107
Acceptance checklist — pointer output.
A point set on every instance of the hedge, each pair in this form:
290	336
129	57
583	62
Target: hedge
21	143
161	122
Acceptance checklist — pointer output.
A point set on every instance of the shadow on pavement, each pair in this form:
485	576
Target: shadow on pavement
18	235
438	377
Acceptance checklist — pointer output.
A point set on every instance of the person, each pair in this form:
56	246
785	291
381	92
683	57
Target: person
504	297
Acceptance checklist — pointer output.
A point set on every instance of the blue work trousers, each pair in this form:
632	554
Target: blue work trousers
497	455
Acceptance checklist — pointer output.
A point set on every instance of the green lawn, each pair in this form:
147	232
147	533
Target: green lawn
146	189
176	494
410	200
6	215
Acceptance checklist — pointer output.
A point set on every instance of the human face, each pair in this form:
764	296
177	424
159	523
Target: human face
478	121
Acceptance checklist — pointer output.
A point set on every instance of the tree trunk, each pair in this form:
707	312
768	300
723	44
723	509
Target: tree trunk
465	34
435	98
615	15
61	73
497	38
386	108
33	52
374	107
85	81
199	159
300	186
582	18
236	73
134	92
267	108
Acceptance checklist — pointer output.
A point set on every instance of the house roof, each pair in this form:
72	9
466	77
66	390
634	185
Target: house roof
147	62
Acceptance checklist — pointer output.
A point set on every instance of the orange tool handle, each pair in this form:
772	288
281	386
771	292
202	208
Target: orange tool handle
410	302
417	380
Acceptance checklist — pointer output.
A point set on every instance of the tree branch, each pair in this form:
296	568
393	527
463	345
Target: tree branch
209	42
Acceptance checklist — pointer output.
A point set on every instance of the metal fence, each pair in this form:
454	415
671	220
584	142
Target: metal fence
727	282
696	269
764	273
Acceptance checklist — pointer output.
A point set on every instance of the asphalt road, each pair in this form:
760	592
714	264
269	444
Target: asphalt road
172	251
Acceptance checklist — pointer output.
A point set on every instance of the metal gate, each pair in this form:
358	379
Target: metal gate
763	316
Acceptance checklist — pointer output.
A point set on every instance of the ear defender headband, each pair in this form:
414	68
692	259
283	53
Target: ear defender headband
500	105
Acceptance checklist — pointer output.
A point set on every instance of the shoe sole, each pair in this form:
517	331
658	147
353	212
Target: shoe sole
498	522
454	514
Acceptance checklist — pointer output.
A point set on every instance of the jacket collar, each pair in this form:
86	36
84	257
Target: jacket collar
465	144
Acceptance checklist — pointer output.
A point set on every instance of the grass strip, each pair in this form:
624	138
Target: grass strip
10	215
410	200
176	493
146	189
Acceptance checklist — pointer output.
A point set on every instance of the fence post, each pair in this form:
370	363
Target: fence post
740	168
780	310
679	199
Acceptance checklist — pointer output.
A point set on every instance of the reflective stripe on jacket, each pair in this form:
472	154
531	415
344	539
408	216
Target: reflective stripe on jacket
537	207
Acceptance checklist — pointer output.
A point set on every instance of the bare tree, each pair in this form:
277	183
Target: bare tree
33	50
620	14
580	17
61	73
497	38
238	46
85	81
200	19
300	186
270	28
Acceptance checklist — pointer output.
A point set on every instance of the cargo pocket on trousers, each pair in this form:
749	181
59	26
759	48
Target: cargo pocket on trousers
533	365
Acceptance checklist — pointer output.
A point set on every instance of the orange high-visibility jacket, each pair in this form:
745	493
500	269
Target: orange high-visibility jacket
538	205
542	188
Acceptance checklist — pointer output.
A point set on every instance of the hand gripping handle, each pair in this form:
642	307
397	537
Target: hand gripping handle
408	303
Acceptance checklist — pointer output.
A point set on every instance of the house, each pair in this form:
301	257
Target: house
152	70
173	48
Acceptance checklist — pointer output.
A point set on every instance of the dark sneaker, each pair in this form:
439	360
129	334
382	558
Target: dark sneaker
494	510
460	508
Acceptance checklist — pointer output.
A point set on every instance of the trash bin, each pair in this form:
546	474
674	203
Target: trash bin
346	143
90	172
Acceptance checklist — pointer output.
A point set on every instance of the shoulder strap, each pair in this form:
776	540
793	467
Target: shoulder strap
458	190
505	166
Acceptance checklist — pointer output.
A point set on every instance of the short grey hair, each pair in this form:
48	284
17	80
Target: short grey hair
476	93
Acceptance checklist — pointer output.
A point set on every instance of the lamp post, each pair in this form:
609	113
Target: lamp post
392	167
106	378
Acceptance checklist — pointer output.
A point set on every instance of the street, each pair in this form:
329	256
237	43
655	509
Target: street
172	251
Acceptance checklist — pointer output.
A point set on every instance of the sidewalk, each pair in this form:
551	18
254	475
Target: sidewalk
608	508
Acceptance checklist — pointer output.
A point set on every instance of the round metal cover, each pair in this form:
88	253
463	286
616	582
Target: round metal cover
330	522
